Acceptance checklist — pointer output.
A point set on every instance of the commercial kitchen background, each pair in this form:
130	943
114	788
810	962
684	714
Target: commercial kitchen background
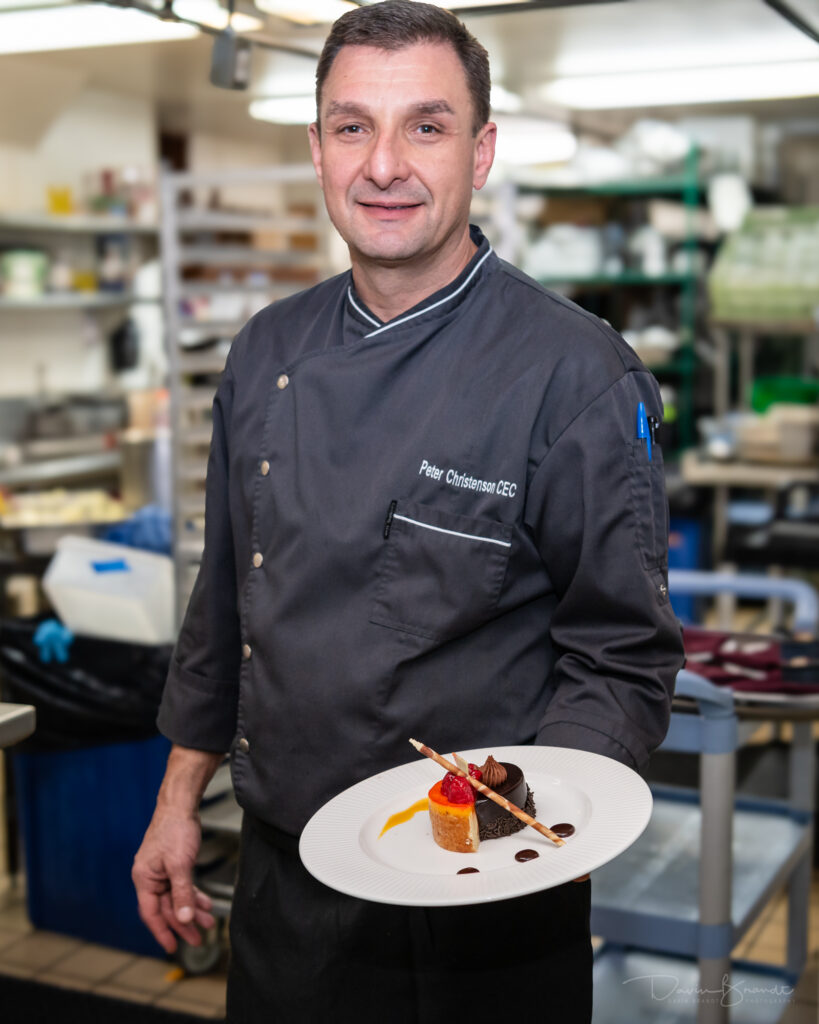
658	162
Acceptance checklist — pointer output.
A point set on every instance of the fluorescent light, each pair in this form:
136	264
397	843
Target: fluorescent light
32	3
504	101
284	109
685	85
306	12
454	5
529	140
212	14
75	27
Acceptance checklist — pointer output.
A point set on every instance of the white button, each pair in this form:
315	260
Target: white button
282	381
243	745
257	559
245	651
265	467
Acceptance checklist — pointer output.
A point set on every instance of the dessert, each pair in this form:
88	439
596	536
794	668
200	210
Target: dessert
461	817
507	780
452	815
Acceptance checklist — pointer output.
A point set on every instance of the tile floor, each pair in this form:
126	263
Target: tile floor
70	963
62	961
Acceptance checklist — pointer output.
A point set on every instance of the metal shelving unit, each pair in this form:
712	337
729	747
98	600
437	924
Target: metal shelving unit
676	903
211	255
684	186
70	300
74	224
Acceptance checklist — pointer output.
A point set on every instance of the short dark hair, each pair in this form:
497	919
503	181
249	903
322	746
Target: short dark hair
395	24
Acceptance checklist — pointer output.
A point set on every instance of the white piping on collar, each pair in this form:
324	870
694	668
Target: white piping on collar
359	309
426	309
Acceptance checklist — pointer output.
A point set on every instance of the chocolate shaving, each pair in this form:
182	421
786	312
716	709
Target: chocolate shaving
507	825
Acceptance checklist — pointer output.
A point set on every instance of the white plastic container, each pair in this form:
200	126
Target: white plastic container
111	591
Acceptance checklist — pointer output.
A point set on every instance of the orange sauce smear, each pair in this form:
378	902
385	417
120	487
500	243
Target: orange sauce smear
401	816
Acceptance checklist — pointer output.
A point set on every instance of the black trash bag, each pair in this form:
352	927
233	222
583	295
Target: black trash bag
107	691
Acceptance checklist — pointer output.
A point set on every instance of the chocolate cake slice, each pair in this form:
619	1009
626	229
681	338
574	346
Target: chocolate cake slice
494	821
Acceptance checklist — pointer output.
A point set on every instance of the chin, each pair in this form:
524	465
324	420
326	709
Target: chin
386	249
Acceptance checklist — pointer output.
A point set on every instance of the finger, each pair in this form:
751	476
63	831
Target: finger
151	914
583	878
187	931
182	896
202	899
204	919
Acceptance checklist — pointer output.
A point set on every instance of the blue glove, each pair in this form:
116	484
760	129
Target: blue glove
53	640
149	528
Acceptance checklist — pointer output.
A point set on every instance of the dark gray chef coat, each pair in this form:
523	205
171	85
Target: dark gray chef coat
443	526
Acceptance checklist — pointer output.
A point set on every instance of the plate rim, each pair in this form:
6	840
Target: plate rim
329	827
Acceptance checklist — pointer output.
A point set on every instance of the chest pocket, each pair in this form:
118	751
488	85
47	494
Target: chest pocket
439	574
649	504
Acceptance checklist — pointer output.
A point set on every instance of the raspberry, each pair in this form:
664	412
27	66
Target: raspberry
460	792
475	771
446	782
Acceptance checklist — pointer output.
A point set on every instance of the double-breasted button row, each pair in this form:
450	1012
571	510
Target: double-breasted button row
264	468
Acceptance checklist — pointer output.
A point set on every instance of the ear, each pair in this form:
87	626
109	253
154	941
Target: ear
314	135
484	153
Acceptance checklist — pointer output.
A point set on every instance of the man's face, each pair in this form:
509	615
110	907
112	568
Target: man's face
396	156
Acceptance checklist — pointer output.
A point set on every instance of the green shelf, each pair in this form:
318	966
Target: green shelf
641	187
626	278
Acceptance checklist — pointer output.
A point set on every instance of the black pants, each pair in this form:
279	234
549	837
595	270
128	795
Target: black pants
302	953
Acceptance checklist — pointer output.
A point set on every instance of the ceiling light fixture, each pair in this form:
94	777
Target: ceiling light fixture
526	141
505	102
16	4
306	12
84	25
682	86
456	5
285	109
212	14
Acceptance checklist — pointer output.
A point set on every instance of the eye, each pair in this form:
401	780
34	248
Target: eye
350	129
427	129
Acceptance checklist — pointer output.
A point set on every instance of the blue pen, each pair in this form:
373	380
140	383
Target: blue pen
643	433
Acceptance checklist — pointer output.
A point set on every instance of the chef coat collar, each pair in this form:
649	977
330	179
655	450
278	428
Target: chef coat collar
441	301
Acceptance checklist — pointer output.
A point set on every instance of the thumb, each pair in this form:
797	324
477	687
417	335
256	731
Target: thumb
182	897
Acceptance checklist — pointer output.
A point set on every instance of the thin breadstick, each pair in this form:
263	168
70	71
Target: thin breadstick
521	815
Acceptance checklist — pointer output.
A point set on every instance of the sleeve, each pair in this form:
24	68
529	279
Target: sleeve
200	698
597	509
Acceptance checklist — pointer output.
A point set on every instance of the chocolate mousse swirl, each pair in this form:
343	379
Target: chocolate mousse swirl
493	773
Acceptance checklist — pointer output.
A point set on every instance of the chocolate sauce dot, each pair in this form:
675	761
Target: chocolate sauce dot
468	871
523	855
563	830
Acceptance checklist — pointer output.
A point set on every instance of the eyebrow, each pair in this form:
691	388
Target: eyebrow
336	109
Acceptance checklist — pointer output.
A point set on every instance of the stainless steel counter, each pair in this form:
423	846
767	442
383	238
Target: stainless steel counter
16	722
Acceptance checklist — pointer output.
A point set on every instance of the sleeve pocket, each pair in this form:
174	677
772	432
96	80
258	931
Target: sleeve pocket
649	504
439	574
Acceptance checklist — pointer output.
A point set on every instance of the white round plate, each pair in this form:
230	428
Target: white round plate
608	804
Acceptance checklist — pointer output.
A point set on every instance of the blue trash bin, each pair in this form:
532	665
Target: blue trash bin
82	817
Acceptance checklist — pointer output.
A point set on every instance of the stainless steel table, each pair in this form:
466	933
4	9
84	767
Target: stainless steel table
16	722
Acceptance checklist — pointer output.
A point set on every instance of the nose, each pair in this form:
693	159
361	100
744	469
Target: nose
387	161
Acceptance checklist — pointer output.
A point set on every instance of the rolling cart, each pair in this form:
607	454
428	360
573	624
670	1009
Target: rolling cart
675	904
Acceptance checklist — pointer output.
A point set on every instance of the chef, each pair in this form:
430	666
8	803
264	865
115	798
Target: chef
430	513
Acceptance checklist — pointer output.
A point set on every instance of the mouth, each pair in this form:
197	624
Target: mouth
389	206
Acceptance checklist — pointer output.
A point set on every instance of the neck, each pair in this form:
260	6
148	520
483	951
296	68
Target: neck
392	289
